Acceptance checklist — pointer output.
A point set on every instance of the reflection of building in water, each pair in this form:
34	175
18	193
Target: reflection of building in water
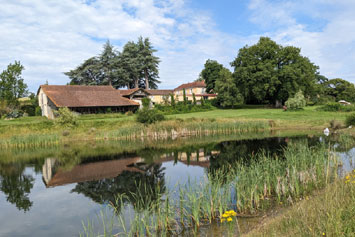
54	175
197	158
86	172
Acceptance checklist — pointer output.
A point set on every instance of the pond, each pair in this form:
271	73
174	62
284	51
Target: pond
54	191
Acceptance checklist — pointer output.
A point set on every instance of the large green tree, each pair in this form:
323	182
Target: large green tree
227	92
268	72
149	63
12	85
340	89
136	66
210	74
104	69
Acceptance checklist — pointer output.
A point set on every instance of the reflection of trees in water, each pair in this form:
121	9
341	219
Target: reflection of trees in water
244	151
136	187
16	186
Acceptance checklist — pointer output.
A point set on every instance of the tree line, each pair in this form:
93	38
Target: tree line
268	73
135	67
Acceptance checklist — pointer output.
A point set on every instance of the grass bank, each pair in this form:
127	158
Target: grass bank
329	212
38	131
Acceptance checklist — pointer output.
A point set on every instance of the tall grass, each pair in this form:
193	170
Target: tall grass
247	187
329	213
133	131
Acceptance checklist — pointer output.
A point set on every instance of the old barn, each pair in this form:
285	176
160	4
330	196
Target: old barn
82	99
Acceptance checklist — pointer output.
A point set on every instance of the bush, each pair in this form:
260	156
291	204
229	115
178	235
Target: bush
336	107
146	103
350	120
297	102
14	114
65	117
148	116
38	111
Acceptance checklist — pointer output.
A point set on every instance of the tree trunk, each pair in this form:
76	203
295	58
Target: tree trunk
146	79
136	83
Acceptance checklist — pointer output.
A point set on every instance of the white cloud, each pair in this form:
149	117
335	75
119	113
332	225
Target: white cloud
332	47
51	37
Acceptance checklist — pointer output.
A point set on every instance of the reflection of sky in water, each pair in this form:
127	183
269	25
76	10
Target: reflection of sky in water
348	159
55	212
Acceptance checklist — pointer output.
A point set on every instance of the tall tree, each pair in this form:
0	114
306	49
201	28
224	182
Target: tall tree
340	89
210	74
131	64
227	92
135	67
268	72
149	63
12	85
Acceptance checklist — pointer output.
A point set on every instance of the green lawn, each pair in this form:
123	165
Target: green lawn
306	119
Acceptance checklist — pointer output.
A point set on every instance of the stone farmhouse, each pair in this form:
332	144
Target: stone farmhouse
94	99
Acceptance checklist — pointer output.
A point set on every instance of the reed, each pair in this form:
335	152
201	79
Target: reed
246	187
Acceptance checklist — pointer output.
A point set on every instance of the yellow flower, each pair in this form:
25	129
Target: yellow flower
323	233
347	181
347	177
229	219
222	220
225	215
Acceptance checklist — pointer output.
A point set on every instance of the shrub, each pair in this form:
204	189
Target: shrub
148	116
38	111
336	107
65	117
350	120
334	124
297	102
14	114
146	103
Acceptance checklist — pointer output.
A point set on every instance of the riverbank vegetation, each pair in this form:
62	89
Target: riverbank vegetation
39	131
247	186
330	212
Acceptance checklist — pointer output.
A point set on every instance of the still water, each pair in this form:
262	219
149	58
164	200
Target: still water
51	191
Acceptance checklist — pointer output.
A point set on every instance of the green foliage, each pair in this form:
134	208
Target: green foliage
210	74
146	103
184	96
193	99
149	116
268	72
181	108
296	102
339	89
65	117
135	67
227	92
38	111
12	85
4	109
172	100
350	120
15	113
336	107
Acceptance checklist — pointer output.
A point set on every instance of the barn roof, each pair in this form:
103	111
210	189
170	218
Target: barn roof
196	84
85	96
131	91
160	92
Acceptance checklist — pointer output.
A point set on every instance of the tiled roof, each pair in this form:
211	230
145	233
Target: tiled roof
131	91
160	92
196	84
85	96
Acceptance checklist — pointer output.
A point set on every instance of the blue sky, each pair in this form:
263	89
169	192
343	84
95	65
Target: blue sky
51	37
